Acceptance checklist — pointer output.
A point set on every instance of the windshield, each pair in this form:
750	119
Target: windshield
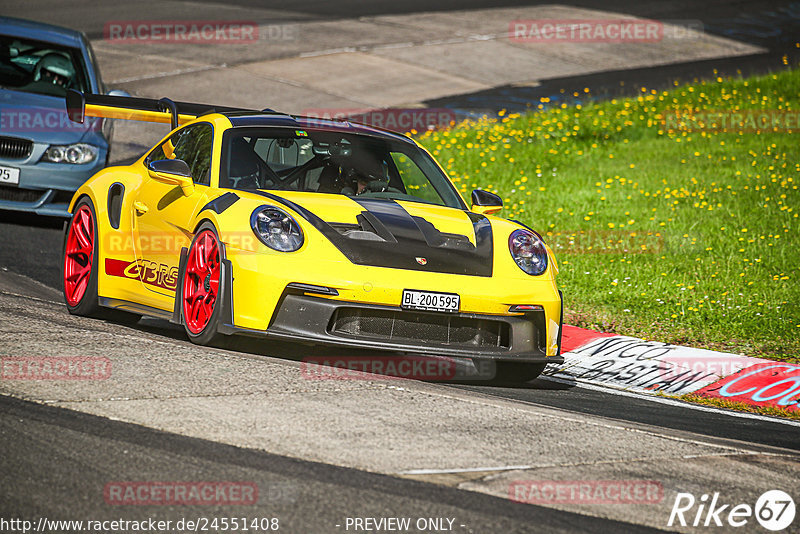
39	67
332	162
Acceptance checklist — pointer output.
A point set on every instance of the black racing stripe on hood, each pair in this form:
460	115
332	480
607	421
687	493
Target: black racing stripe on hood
409	242
417	237
393	217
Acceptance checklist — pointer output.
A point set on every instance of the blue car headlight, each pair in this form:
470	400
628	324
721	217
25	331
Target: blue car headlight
528	251
75	154
276	229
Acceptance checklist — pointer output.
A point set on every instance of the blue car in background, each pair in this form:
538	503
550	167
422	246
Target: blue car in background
45	157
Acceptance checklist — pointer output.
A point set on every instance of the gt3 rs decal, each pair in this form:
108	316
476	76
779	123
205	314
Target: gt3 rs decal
409	238
149	272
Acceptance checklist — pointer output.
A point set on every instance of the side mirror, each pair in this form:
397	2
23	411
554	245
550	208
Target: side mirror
172	172
485	202
118	92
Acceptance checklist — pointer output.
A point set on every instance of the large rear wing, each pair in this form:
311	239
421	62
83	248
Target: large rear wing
81	105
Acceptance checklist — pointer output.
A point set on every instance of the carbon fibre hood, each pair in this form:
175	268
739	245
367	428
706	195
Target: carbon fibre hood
385	234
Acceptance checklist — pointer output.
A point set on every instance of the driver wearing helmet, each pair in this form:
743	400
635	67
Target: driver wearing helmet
55	69
367	178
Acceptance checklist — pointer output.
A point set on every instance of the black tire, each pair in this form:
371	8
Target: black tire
209	336
88	305
517	372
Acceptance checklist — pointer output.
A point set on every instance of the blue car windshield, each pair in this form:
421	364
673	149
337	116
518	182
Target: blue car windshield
38	67
333	162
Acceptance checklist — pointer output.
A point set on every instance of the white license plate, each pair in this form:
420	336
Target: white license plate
430	301
9	175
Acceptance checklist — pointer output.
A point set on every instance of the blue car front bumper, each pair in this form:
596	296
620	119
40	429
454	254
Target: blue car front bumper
46	188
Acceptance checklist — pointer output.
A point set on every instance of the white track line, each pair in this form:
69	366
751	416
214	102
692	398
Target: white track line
563	414
465	470
500	469
169	73
672	402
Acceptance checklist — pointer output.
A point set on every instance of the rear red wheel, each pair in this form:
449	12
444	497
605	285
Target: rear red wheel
79	255
201	286
80	268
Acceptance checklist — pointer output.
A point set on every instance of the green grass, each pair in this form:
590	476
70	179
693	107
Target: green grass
687	237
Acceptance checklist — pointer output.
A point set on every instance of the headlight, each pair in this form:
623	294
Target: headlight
528	251
276	229
75	154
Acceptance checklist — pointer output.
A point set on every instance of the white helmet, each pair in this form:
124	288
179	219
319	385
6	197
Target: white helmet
54	68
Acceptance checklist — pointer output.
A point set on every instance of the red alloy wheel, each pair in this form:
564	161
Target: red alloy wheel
78	255
201	282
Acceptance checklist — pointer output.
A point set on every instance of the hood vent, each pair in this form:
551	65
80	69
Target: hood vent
403	238
370	228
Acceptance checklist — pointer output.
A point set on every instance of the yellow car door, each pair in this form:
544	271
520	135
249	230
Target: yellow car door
163	210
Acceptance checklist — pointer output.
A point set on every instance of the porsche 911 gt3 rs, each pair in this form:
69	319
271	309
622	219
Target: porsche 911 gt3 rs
317	231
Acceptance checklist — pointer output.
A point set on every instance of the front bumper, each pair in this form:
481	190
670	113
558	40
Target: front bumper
49	202
314	320
46	188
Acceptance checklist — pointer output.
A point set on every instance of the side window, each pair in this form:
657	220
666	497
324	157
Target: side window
193	145
157	154
284	153
262	146
414	180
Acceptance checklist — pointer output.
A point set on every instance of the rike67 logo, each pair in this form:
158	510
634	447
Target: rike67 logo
774	510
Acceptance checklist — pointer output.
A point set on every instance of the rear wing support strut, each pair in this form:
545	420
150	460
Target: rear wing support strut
173	110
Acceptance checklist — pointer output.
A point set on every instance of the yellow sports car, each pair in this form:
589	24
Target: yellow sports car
316	231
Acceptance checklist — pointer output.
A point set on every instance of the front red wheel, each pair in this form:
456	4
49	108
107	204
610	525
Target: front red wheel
79	255
200	289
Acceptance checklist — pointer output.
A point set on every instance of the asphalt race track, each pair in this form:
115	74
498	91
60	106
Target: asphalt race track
91	450
37	251
56	460
323	452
